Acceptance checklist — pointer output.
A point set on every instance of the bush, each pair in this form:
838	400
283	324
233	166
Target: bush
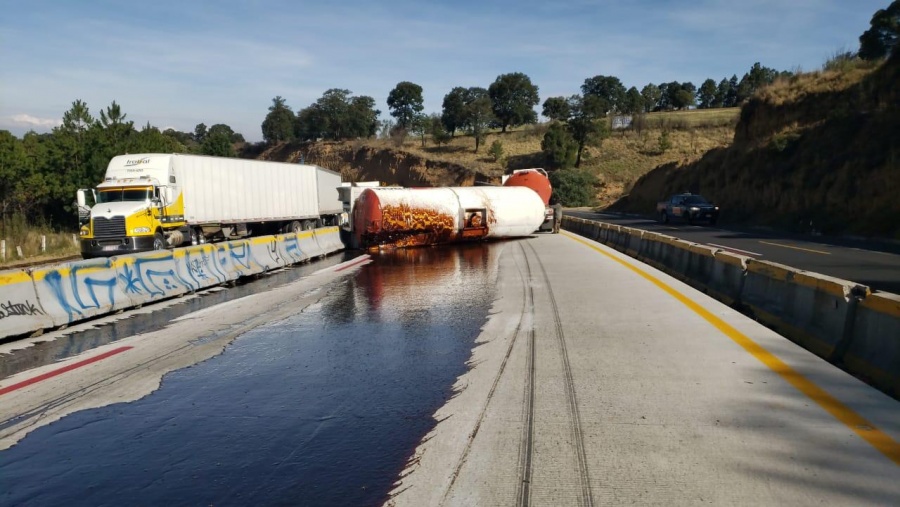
573	187
496	150
559	148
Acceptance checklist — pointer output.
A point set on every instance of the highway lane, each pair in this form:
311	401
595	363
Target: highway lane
579	377
875	265
602	381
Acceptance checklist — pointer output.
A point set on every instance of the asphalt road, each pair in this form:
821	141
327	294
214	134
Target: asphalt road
874	265
545	371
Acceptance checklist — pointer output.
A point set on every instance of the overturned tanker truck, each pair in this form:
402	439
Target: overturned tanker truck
406	217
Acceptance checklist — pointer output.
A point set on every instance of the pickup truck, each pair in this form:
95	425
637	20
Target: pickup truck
688	207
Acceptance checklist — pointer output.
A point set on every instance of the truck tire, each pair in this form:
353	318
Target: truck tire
309	225
197	237
159	242
295	227
663	217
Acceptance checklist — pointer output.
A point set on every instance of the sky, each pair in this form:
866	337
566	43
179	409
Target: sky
176	64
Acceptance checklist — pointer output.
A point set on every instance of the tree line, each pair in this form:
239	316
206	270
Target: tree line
40	173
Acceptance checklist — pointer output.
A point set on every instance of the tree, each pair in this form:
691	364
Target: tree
150	140
453	116
587	123
217	141
200	133
363	117
513	98
608	89
651	94
558	147
706	97
721	93
880	39
478	114
731	99
405	102
556	108
337	115
279	122
634	102
439	134
116	129
752	81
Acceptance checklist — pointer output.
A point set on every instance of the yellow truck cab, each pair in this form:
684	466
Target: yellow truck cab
138	207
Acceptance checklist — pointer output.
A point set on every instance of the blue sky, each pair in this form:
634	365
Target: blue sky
176	64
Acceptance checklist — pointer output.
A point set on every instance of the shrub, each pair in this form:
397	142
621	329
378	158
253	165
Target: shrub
573	187
496	150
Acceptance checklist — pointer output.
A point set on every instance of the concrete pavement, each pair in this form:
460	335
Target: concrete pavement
600	380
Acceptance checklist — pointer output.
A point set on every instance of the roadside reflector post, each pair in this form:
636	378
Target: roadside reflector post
3	249
43	243
19	251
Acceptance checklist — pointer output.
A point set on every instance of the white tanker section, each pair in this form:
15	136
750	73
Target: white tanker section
404	217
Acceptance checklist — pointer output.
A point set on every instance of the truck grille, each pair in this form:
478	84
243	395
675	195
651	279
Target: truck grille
109	227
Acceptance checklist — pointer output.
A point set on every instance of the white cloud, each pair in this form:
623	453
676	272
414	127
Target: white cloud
26	120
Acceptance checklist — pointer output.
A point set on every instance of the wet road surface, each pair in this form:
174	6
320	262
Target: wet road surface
90	335
322	408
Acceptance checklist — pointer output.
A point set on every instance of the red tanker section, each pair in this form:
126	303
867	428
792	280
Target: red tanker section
535	179
404	217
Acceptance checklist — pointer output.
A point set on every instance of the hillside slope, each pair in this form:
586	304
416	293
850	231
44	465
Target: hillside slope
618	162
818	152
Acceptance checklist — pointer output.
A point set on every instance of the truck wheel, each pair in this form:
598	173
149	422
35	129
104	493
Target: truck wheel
197	237
159	242
690	219
309	225
295	227
664	217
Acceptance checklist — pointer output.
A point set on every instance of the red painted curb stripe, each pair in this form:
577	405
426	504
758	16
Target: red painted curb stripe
354	263
50	374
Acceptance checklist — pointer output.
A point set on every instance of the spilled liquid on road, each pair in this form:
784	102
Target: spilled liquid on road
74	343
323	408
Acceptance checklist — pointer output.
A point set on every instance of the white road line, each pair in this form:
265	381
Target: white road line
723	247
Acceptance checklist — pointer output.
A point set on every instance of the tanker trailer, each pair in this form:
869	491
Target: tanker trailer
538	180
405	217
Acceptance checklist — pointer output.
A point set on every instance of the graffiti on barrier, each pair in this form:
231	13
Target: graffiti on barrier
25	309
153	277
292	248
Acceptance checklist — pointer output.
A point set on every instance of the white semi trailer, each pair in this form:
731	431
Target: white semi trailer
154	201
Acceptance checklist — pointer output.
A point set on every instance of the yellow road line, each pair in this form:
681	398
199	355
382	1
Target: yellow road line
878	439
796	248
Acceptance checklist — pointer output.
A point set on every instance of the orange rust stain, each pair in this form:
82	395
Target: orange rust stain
405	226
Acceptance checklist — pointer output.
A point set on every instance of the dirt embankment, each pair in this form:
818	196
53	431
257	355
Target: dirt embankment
360	162
818	152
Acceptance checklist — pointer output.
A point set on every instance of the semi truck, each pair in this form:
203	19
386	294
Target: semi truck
154	201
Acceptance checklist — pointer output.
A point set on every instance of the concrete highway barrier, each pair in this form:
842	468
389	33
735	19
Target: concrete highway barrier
839	320
20	308
54	296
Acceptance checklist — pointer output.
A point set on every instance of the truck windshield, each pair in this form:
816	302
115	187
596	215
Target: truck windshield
125	194
695	199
